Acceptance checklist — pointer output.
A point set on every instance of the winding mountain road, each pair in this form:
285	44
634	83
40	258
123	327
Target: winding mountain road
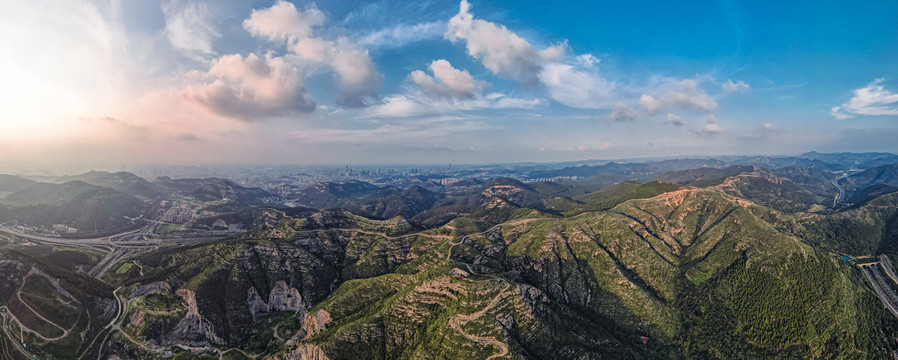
456	322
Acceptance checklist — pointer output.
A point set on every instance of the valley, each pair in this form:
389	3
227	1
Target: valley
732	261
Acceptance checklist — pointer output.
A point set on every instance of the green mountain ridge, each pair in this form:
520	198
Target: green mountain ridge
89	208
666	267
722	262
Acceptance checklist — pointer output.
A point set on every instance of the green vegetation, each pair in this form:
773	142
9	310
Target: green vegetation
89	208
546	270
613	195
124	268
161	303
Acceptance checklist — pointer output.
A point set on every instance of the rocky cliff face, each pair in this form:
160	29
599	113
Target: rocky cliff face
281	298
193	329
316	323
515	194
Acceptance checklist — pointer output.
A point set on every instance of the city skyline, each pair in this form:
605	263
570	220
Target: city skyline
101	83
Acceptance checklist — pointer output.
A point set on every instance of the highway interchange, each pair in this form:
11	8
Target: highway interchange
117	246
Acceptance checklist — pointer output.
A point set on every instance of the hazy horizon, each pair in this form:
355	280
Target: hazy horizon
160	168
101	84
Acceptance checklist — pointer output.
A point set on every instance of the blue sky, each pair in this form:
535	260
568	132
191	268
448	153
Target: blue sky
188	81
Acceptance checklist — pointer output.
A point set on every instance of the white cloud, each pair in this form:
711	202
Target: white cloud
574	82
411	105
586	60
678	94
358	79
446	81
283	22
711	127
837	113
649	104
576	87
402	35
310	52
687	94
730	86
500	50
251	88
189	27
622	112
872	99
399	106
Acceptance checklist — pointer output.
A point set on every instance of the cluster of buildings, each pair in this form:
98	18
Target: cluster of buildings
178	214
548	179
64	229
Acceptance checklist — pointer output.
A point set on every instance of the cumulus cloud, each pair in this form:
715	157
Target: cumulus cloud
872	99
357	77
251	88
446	81
678	94
282	21
622	112
575	86
500	50
730	86
189	27
649	104
574	82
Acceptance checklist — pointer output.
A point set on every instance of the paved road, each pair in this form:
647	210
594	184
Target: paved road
887	266
5	316
117	246
882	296
118	314
884	286
458	320
841	195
